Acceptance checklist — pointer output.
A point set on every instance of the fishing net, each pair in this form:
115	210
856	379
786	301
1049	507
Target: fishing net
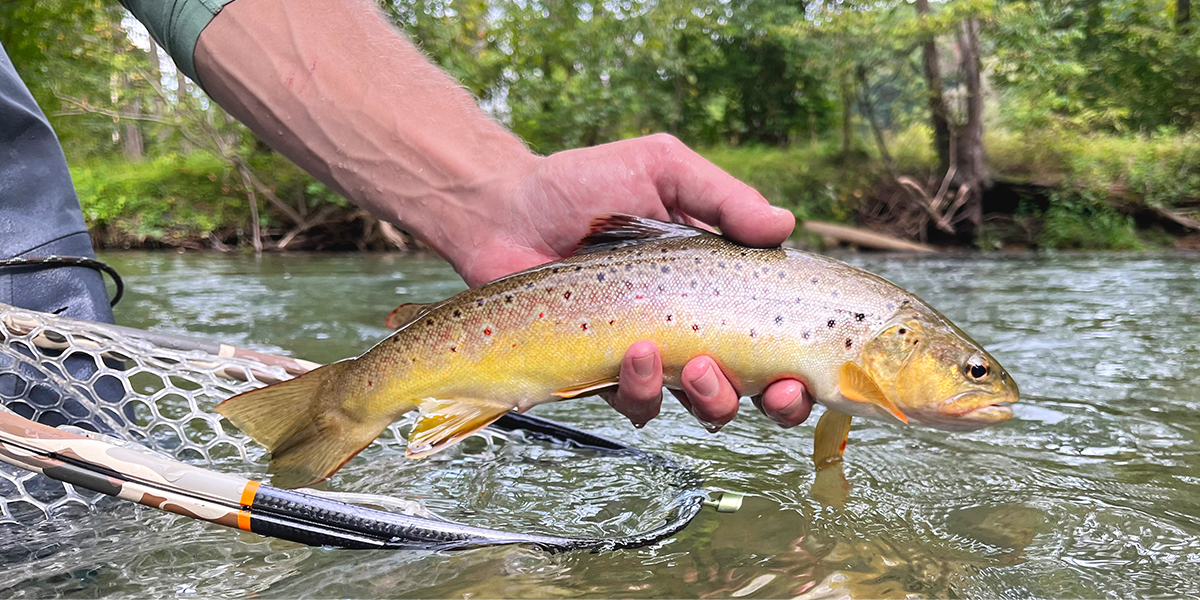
155	393
62	372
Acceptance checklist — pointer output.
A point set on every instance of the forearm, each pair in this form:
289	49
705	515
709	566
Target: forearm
334	87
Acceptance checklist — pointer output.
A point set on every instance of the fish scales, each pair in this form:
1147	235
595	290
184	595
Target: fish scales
861	345
525	337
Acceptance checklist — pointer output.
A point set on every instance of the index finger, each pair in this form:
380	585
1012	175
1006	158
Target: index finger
690	183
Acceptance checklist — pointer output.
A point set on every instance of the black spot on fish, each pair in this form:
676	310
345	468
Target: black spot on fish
508	298
666	269
457	313
699	260
612	269
902	331
578	269
668	317
834	294
721	265
830	324
693	284
814	280
753	333
529	286
695	327
479	302
567	295
555	270
778	319
782	275
859	316
454	348
628	267
806	335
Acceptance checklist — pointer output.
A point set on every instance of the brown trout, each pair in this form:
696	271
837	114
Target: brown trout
861	345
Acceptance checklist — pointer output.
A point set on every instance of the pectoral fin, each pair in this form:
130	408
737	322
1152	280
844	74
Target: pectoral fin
444	423
856	385
829	443
585	389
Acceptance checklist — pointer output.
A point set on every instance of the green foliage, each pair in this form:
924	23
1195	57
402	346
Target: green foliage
1082	222
1161	171
812	181
1118	65
168	199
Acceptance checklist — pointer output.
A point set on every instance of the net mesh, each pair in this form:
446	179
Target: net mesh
67	373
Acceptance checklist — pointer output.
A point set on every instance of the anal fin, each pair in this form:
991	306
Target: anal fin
444	423
585	389
856	385
829	442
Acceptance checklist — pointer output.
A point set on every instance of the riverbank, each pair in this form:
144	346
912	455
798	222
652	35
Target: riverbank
1052	189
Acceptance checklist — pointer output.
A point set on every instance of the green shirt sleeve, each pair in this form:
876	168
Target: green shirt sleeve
176	25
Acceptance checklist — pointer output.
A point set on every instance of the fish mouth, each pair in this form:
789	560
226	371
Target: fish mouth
973	410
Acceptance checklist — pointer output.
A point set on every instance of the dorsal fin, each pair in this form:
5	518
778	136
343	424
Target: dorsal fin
616	230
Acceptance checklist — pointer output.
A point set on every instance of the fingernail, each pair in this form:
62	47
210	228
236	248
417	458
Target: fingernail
706	384
711	427
643	366
779	211
637	425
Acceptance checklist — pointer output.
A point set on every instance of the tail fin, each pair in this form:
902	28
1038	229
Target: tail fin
303	423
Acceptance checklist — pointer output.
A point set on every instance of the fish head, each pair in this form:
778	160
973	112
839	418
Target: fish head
937	375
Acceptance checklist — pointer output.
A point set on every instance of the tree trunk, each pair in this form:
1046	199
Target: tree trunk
972	163
847	107
1183	14
132	145
939	115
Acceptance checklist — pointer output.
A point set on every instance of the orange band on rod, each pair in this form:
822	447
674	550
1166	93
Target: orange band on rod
247	501
248	494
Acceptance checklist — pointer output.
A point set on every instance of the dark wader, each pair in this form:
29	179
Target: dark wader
39	216
39	212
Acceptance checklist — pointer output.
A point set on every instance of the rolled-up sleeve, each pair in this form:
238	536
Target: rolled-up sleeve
176	25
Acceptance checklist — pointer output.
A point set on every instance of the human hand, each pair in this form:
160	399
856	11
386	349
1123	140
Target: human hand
548	205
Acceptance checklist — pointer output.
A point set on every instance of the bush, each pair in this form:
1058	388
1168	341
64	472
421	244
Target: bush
168	199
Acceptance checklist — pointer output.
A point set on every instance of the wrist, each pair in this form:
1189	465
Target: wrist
469	193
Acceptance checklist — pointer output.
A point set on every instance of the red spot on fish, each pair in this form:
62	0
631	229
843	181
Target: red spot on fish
583	327
370	384
611	321
487	331
843	445
638	297
541	315
514	345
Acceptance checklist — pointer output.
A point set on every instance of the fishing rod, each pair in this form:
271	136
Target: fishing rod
123	469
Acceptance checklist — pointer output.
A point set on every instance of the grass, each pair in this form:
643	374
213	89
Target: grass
1093	181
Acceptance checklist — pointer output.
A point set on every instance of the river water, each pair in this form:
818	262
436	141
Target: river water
1091	490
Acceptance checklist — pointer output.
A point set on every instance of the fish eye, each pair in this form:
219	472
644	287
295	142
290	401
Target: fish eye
977	368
